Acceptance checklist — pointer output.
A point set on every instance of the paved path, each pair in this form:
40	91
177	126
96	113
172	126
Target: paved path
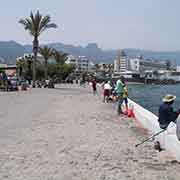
69	134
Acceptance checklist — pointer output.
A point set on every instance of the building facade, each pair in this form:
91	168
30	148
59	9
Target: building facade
121	63
27	57
81	63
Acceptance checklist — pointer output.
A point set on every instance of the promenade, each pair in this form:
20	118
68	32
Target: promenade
68	134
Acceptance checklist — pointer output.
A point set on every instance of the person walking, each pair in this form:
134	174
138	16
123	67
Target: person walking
119	91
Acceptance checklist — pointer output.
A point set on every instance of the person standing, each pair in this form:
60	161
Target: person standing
107	91
94	84
119	91
125	96
5	81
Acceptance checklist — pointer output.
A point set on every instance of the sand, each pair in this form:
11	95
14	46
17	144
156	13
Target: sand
69	134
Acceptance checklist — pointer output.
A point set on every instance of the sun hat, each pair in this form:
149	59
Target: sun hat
169	98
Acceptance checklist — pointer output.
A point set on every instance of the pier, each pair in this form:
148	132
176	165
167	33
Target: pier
67	133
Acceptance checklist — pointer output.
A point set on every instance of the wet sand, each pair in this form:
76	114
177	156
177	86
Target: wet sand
72	135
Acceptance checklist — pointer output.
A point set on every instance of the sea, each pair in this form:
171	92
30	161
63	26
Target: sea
150	96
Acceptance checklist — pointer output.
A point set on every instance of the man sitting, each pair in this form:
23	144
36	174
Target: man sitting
166	115
166	112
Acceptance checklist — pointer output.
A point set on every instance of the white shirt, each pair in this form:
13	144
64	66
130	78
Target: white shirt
107	86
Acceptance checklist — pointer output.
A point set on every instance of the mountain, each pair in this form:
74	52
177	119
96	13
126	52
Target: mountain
9	50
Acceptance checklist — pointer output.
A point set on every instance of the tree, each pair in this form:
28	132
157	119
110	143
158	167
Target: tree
36	24
46	52
21	67
60	57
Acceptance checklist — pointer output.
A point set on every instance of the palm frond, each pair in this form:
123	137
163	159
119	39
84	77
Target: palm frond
37	23
44	21
27	25
60	57
46	52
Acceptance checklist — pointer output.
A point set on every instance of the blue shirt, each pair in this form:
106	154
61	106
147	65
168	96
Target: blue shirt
166	115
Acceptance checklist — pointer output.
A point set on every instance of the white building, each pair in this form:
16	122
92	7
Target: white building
30	56
178	68
121	63
81	63
144	66
141	65
134	64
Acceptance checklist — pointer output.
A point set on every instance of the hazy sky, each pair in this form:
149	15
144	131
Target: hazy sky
148	24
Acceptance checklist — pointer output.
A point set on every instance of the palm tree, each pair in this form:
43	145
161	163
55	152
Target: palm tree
60	57
46	52
36	24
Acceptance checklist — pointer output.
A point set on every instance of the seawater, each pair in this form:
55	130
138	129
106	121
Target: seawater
150	96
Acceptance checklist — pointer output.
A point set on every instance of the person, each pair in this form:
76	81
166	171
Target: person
94	86
166	112
5	81
125	96
119	91
166	116
107	91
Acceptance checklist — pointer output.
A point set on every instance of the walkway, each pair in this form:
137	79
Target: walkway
69	134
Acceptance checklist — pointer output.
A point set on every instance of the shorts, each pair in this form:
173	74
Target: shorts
106	92
125	100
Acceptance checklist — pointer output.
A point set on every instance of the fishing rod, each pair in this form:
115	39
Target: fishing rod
152	136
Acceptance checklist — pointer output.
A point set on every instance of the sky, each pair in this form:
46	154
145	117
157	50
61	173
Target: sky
112	24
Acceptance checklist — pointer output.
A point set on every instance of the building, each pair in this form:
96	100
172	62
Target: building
145	66
81	63
30	57
105	67
178	68
139	64
10	70
121	62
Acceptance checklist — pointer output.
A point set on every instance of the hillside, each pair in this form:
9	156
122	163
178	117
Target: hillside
10	50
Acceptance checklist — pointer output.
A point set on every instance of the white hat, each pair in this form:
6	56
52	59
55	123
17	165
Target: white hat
169	98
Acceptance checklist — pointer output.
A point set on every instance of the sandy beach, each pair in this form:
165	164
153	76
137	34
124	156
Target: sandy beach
67	133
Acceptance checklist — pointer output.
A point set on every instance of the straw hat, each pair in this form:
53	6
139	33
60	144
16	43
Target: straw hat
169	98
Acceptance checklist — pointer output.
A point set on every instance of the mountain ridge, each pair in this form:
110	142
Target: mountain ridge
9	50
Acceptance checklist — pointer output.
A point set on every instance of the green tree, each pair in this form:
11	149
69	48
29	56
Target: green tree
46	52
66	70
60	57
35	25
